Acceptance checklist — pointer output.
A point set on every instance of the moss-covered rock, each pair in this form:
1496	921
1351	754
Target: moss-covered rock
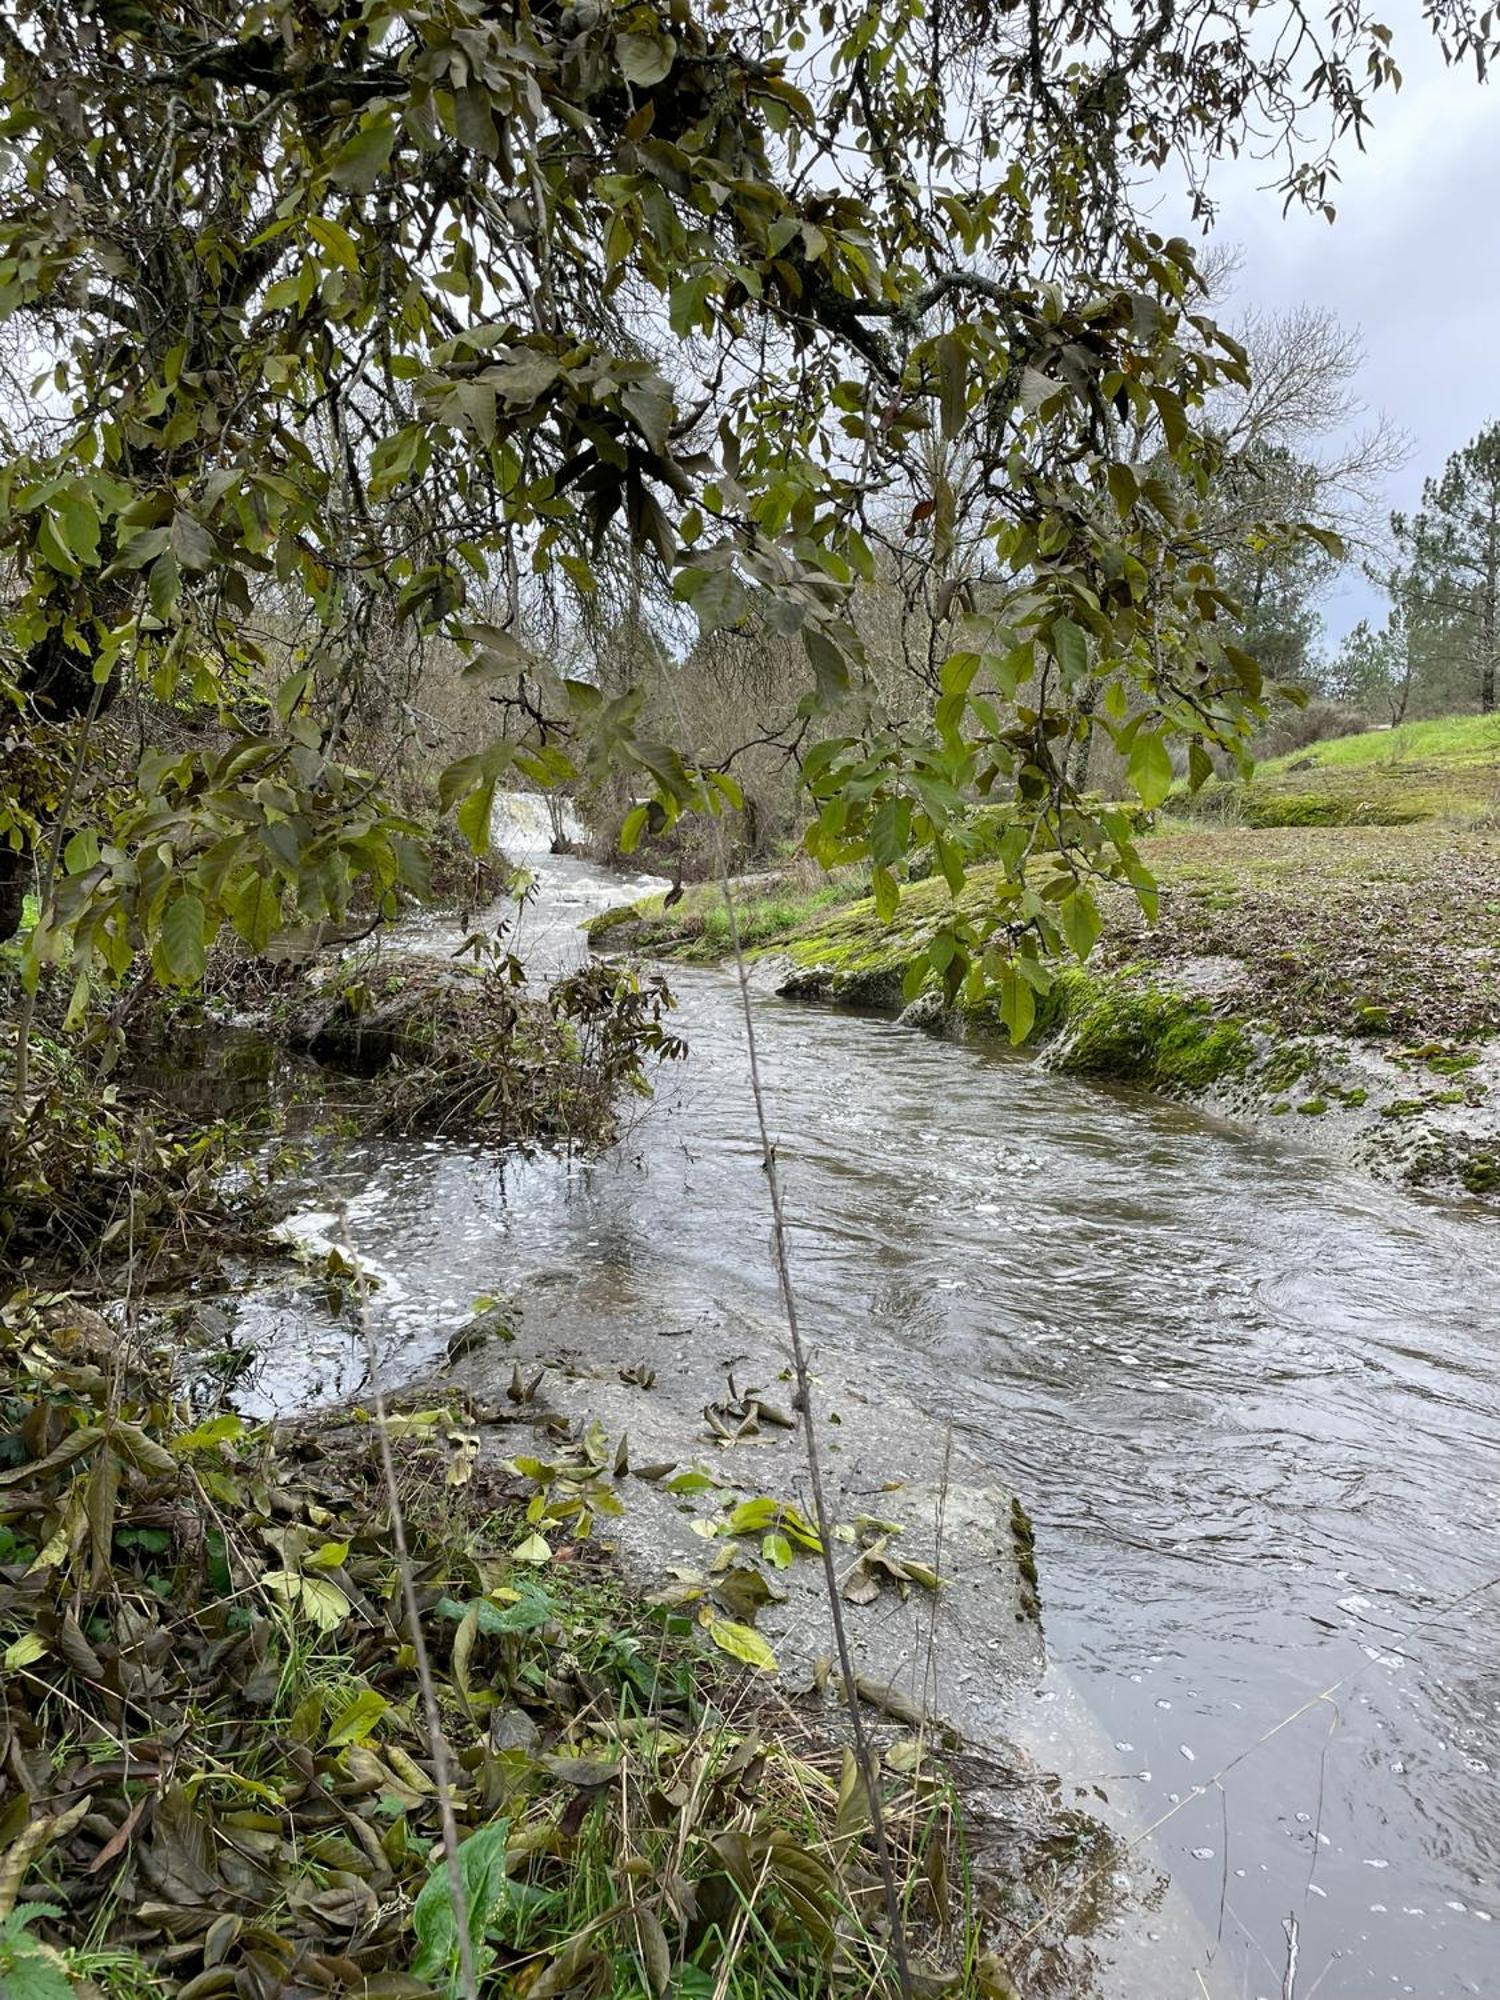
1120	1027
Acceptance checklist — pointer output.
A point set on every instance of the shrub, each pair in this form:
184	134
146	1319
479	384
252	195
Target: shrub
1300	728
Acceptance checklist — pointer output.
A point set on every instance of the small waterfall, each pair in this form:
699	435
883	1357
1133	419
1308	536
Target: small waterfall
525	824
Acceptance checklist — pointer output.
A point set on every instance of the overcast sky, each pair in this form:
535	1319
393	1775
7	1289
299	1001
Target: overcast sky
1413	261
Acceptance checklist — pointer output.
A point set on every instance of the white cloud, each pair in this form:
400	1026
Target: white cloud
1413	259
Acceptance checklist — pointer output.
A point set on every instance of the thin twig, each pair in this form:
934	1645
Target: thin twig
779	1250
441	1761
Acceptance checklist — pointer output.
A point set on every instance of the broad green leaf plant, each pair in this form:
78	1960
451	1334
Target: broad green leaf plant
334	317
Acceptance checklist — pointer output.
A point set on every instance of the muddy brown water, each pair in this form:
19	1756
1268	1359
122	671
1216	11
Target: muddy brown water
1252	1403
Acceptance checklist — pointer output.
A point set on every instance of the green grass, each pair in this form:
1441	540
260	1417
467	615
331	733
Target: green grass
1458	739
1447	769
697	927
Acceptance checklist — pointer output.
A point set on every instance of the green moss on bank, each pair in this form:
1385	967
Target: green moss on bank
697	926
1115	1026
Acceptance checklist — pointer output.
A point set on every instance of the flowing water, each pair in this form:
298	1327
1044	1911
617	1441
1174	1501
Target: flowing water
1253	1404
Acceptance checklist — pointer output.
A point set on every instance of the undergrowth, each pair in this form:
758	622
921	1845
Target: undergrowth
91	1172
219	1778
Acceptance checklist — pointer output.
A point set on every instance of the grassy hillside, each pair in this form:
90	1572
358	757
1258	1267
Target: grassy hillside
1447	769
1446	739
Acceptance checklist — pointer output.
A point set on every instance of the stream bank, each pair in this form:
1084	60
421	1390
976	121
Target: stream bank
222	1775
1190	1347
1351	1001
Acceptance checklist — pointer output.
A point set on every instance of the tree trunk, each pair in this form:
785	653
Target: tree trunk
61	687
1080	752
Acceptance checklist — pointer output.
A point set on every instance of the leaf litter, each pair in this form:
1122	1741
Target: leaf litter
216	1777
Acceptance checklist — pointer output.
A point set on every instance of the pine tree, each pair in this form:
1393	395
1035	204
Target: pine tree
1453	548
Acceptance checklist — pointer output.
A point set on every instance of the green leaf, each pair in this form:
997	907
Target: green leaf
1123	488
685	307
1150	767
434	1921
1071	649
829	665
224	1429
650	406
887	895
82	851
500	653
357	1722
52	545
255	911
890	831
1173	417
191	542
740	1642
290	693
476	815
1080	922
33	1971
362	159
179	952
645	59
524	375
163	584
339	244
777	1551
633	827
717	595
316	1598
477	401
24	1652
1200	766
1017	1006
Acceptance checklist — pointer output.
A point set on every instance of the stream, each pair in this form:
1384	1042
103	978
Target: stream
1252	1403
